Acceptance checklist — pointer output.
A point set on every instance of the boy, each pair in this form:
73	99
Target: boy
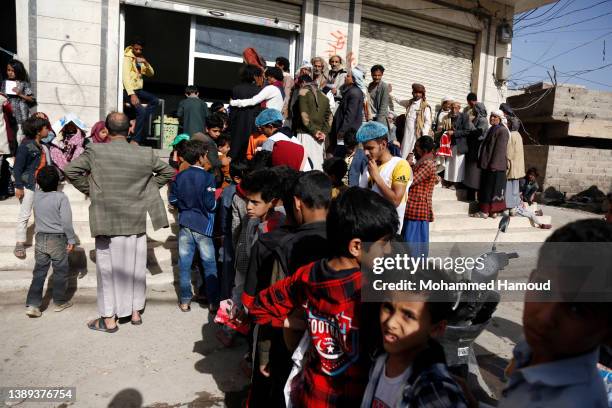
192	111
270	122
419	207
556	365
528	189
176	156
29	159
336	169
193	193
412	372
385	174
214	126
354	156
271	96
55	239
329	291
223	147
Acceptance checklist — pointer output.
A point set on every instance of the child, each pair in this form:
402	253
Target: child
55	239
336	169
223	147
176	160
419	207
556	365
270	122
412	372
329	292
214	126
355	158
528	189
192	111
271	96
28	160
255	141
19	92
193	193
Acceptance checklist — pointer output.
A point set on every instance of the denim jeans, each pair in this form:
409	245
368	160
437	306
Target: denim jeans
188	241
50	249
143	113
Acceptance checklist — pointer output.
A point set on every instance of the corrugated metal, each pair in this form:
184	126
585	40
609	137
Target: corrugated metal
442	65
288	12
418	24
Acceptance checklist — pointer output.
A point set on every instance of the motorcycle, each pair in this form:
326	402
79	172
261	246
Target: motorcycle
472	313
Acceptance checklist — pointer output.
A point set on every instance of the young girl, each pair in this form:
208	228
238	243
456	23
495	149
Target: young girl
69	142
17	88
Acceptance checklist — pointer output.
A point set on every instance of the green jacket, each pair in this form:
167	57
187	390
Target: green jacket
315	114
123	182
193	113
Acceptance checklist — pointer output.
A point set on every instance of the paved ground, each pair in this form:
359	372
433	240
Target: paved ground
173	359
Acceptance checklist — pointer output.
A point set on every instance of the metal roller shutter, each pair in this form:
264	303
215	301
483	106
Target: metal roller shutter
287	12
444	66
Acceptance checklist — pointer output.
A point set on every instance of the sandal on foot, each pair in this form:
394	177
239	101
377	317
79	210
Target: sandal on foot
184	307
136	322
101	326
479	215
19	251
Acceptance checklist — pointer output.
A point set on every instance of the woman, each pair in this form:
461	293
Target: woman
242	120
99	133
478	117
349	114
17	88
492	162
69	142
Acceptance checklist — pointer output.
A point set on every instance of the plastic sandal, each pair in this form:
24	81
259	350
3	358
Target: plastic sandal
101	326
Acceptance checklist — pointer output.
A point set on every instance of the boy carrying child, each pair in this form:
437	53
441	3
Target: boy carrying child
329	292
55	239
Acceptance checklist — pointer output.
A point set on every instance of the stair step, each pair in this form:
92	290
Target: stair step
460	208
445	194
83	232
159	257
514	234
466	223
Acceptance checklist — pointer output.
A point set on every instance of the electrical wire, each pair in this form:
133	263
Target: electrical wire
565	26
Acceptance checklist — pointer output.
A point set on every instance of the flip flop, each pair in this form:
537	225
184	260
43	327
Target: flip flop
184	309
101	326
136	322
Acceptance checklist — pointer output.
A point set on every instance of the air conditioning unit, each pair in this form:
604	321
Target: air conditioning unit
502	69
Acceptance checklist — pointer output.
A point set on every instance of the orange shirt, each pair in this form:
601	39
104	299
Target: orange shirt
255	142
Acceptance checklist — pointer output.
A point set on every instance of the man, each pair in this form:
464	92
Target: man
378	92
385	174
445	108
134	67
314	122
457	126
318	71
418	118
122	181
472	100
336	76
349	114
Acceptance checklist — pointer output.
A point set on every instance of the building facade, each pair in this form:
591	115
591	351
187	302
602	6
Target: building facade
73	48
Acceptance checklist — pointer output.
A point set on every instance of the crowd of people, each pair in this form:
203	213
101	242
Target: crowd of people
276	201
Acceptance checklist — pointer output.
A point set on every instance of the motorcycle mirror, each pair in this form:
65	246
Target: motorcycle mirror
503	224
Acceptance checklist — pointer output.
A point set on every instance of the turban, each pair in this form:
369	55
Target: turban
371	131
418	88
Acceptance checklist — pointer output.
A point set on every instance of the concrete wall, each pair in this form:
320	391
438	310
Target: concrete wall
570	169
67	52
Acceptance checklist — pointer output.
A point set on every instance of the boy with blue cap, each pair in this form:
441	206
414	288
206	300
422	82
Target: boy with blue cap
270	122
385	174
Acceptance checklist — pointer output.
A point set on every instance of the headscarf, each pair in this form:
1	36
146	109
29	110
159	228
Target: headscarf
64	151
285	153
359	79
95	133
250	56
419	88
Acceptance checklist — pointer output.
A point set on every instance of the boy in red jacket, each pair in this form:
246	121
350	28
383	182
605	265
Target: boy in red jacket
336	365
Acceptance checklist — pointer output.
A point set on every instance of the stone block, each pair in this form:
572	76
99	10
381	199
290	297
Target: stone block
65	94
67	30
68	73
68	51
68	9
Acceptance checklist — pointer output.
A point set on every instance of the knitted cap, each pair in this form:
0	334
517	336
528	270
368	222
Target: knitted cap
268	116
285	153
370	131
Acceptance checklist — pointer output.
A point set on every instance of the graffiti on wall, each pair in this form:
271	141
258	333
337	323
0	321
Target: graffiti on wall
72	78
337	43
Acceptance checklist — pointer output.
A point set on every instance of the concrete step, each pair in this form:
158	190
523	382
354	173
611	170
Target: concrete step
514	234
460	208
160	257
83	232
9	210
464	224
21	279
445	194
